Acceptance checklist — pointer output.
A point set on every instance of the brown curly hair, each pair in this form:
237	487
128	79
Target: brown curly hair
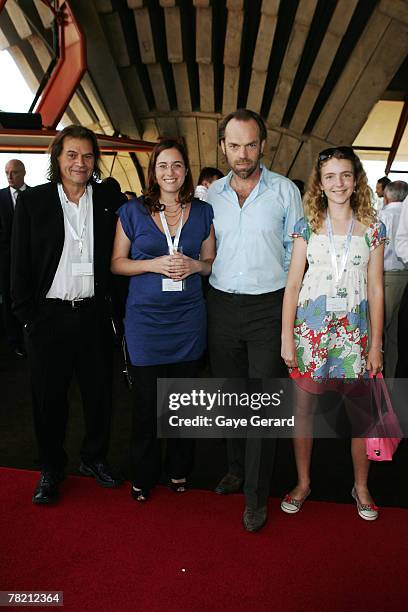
152	192
361	201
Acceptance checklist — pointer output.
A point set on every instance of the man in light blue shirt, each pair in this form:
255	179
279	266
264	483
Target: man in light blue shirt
255	211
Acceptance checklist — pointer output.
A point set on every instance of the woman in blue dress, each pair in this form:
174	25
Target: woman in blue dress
165	320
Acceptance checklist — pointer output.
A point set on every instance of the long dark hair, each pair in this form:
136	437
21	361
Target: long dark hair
72	131
152	191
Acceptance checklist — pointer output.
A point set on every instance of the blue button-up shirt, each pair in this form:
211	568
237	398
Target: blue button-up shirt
254	243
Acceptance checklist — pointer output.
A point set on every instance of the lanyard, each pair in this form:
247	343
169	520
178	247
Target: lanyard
346	249
77	237
172	245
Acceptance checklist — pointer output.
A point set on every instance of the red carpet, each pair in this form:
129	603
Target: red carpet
107	552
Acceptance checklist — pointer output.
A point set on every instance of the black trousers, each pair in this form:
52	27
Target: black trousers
63	342
402	363
245	342
12	327
145	447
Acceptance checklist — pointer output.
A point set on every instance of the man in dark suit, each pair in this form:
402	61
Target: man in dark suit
15	173
60	278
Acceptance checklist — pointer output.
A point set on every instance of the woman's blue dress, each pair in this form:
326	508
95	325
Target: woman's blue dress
164	326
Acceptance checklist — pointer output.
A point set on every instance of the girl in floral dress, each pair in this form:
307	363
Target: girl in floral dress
326	309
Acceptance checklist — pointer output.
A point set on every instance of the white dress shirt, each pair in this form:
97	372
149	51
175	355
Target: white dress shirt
15	192
254	243
78	228
390	216
401	238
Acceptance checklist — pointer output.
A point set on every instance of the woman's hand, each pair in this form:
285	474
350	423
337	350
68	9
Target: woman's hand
375	360
288	352
183	266
161	265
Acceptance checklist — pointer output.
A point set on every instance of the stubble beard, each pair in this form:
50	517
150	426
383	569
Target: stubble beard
246	172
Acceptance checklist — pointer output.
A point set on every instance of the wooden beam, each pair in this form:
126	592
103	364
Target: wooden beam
382	66
271	146
181	81
334	34
290	64
306	158
103	6
232	50
354	69
97	105
135	4
396	9
144	35
173	34
207	141
187	127
175	55
204	58
134	89
46	16
18	18
263	48
148	56
4	41
285	155
159	87
206	76
114	34
150	131
167	126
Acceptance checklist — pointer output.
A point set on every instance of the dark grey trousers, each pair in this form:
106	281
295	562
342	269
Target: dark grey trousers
245	342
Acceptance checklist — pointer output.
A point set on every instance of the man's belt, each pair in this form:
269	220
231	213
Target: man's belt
77	304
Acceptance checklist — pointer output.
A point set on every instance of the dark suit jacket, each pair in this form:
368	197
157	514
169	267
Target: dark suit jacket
38	240
6	223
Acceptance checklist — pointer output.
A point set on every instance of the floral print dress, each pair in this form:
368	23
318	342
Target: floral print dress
333	344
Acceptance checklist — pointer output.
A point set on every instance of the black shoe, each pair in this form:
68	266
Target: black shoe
102	474
178	487
140	495
254	518
19	351
47	491
229	484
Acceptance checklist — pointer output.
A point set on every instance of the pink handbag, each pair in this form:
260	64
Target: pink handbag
383	449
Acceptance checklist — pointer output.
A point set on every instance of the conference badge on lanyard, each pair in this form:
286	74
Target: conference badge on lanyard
168	284
337	303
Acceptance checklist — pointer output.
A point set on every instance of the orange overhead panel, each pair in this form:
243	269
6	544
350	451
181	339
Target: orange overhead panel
70	67
38	141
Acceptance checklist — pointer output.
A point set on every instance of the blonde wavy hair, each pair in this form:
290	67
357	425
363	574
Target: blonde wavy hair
361	201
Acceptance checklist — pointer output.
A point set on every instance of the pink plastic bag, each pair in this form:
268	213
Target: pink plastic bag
383	449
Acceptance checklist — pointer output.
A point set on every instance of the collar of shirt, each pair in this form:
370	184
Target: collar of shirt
225	182
391	206
15	192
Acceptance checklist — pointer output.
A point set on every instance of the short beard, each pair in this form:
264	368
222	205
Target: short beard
247	172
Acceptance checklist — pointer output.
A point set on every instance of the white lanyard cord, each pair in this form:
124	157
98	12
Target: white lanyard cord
78	237
338	273
172	245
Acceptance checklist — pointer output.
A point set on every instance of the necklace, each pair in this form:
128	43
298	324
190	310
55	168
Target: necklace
177	220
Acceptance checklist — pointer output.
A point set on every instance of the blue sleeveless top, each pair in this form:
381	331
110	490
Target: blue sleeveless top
164	326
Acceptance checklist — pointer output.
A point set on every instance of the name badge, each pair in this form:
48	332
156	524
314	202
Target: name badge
170	285
336	304
82	269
